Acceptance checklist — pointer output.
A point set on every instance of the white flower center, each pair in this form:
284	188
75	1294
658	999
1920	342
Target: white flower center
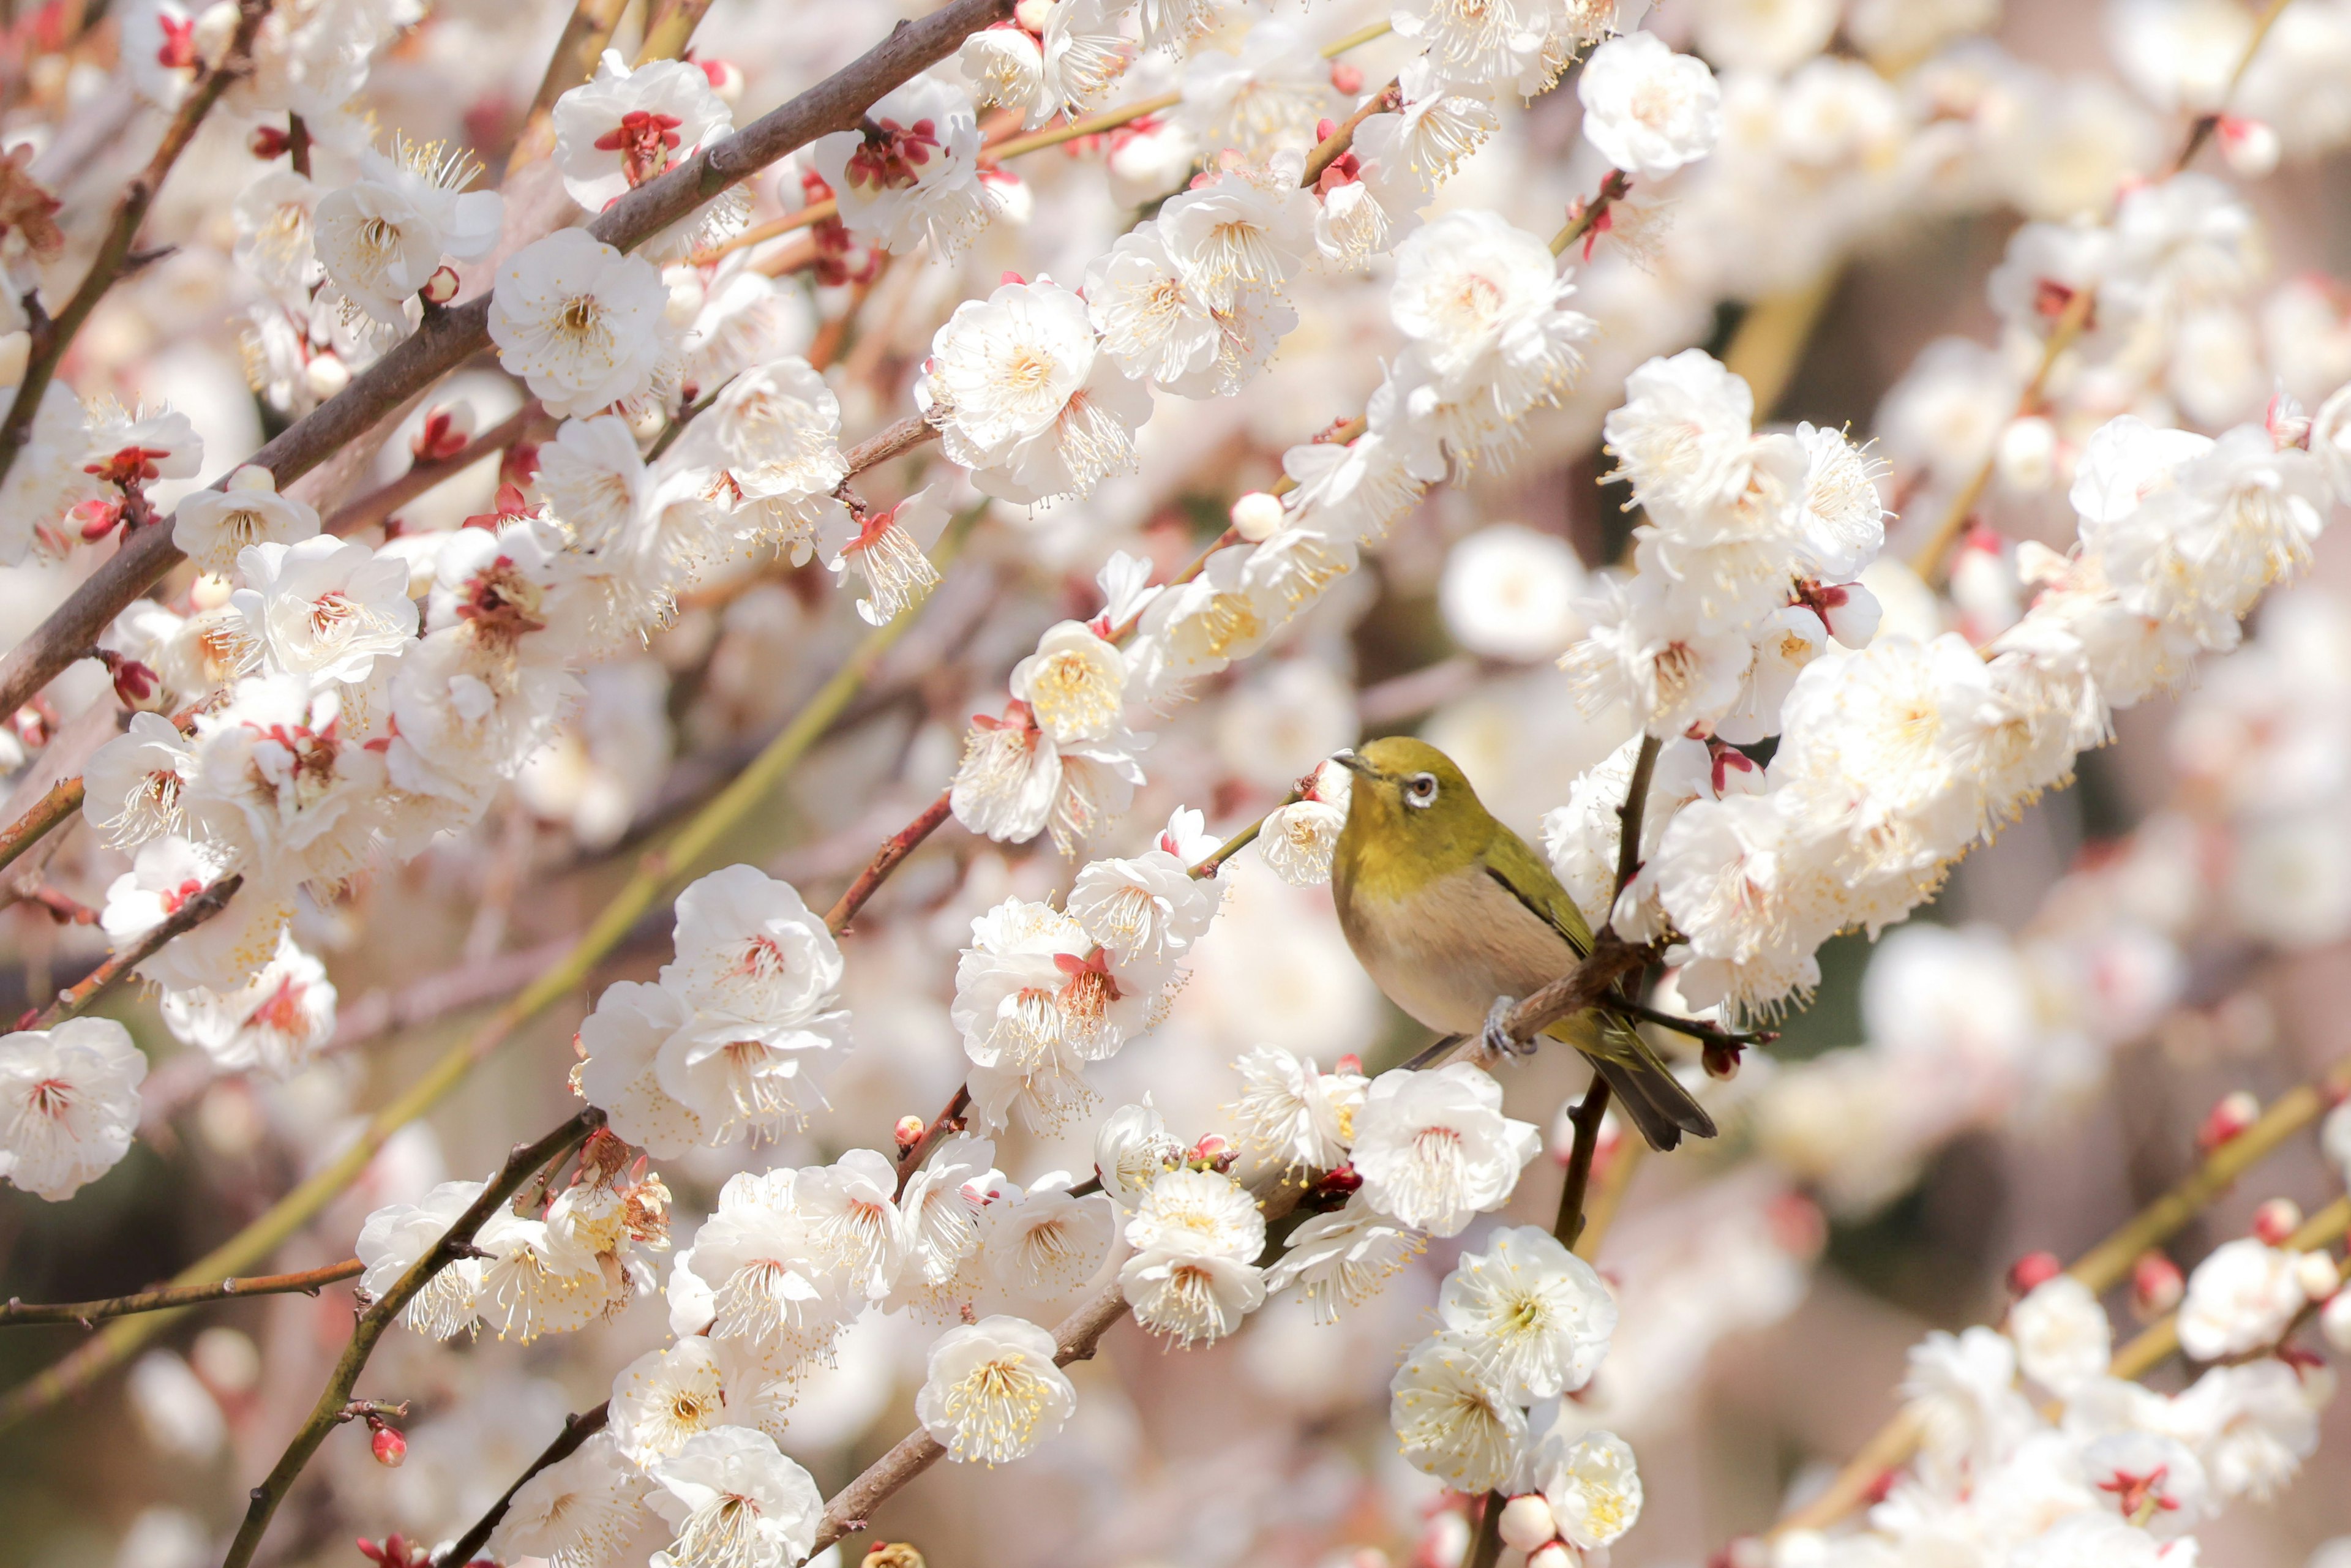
995	1407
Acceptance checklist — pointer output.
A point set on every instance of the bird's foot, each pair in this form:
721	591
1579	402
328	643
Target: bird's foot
1496	1037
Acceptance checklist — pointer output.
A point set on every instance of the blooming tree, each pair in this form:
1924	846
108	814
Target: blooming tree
419	611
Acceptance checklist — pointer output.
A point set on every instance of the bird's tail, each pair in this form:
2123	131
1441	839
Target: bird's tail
1644	1085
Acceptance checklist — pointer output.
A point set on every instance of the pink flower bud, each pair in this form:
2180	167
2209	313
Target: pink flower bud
2275	1220
442	287
2248	147
1346	78
2033	1270
2319	1275
1349	1062
726	79
1209	1147
910	1131
2156	1286
2235	1111
391	1448
1527	1523
2334	1320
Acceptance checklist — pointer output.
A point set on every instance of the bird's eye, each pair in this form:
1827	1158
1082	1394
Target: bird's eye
1420	789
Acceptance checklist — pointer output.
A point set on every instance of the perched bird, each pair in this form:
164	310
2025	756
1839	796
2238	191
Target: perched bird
1451	912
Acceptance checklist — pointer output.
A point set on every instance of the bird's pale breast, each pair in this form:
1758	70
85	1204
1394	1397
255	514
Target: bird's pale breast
1445	953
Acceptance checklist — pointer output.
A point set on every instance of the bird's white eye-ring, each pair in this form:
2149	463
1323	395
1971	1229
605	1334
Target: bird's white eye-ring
1420	789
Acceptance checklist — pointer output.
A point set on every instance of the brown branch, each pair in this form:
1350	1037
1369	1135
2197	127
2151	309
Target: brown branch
1486	1546
449	336
1628	818
893	850
1333	147
895	441
378	506
525	1162
577	1430
53	335
572	62
948	1121
1585	1118
76	999
62	802
87	1314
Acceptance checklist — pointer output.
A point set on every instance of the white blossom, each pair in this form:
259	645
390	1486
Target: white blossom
735	1501
583	324
1537	1311
68	1103
991	1391
1646	109
1434	1148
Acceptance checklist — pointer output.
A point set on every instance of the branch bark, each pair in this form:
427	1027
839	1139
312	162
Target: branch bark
87	1314
577	1430
449	336
77	1000
524	1163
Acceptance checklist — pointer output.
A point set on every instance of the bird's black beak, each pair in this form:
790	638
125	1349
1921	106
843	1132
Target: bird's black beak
1345	757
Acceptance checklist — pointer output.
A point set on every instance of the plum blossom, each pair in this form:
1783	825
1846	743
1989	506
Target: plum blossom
991	1391
68	1104
1434	1148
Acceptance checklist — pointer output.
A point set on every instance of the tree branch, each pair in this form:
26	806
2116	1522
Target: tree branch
449	336
1585	1119
524	1163
425	472
577	1430
893	850
87	1314
76	999
1628	818
62	802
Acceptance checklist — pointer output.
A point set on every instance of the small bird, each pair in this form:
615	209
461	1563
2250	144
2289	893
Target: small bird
1455	917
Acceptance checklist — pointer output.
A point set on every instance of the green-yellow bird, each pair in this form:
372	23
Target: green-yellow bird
1448	910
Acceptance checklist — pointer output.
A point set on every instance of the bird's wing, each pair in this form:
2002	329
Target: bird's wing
1510	862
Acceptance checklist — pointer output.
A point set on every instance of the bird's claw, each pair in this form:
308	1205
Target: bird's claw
1496	1037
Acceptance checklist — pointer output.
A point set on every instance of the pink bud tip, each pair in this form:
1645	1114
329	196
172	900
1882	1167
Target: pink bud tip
1349	1062
2156	1285
2234	1113
2275	1220
1324	127
1209	1147
1346	78
1011	277
2033	1270
391	1448
910	1131
442	287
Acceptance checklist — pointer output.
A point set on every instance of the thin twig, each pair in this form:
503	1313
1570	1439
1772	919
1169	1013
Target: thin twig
62	802
525	1162
577	1430
87	1314
425	472
52	336
1629	814
1485	1547
450	336
1591	214
1333	147
948	1121
76	999
1697	1028
1585	1119
1608	1195
894	849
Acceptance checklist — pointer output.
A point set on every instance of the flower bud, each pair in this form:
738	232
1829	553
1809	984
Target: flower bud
2032	1271
2319	1275
910	1131
2235	1111
1558	1555
2156	1285
1345	77
2334	1320
325	376
893	1554
1257	515
1032	15
267	141
1349	1062
2248	147
1527	1523
391	1448
210	591
2027	455
442	287
726	79
2275	1220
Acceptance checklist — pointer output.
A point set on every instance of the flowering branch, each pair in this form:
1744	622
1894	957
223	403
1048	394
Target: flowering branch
309	1282
1333	147
525	1162
577	1430
656	872
1586	218
2100	1267
1628	817
53	335
449	336
948	1121
76	999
